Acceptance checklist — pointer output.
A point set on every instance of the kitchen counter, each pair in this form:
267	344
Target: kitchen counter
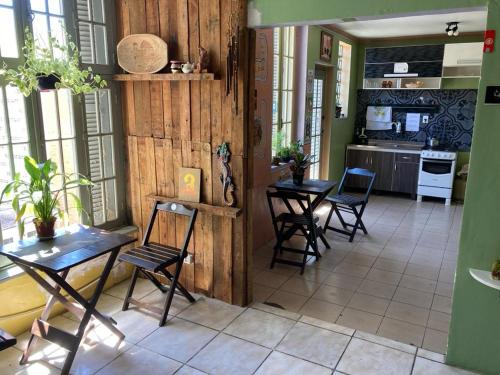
387	146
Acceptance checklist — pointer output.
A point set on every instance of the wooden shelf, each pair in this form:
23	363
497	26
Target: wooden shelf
165	77
232	212
484	277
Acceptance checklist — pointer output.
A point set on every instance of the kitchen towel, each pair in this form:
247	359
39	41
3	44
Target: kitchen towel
378	118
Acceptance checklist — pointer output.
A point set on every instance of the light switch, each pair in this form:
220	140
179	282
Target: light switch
425	119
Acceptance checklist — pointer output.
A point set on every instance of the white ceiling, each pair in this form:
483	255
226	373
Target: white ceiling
430	24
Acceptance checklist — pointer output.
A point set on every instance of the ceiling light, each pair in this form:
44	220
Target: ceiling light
452	28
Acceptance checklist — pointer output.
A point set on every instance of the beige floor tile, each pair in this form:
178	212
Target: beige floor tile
360	259
401	331
276	311
417	283
300	286
229	355
136	325
377	289
413	297
289	301
425	272
343	281
363	357
314	344
9	365
333	294
270	279
389	265
142	288
261	293
157	299
410	349
327	325
138	360
260	327
361	320
188	370
211	313
352	269
438	320
433	356
384	276
314	274
425	367
329	312
408	313
280	363
442	304
435	341
179	339
446	276
371	304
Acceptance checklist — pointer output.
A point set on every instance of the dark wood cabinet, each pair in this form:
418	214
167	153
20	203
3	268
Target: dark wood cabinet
405	177
358	159
383	164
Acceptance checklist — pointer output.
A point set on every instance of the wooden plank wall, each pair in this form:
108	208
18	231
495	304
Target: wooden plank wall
174	124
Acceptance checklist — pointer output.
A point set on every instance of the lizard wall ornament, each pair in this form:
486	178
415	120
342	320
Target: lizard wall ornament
226	176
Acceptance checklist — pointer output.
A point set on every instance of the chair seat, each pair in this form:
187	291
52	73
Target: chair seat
295	218
152	256
6	340
348	200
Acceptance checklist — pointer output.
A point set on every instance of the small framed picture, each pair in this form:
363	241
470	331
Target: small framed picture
492	95
189	184
326	47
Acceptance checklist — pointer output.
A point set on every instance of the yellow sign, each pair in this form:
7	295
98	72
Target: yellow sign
189	184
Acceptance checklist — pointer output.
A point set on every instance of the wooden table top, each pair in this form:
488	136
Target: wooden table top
72	246
308	187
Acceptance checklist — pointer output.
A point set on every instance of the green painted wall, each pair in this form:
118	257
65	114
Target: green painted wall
474	339
341	130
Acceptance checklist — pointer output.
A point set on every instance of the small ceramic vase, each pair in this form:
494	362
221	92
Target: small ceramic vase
176	66
187	67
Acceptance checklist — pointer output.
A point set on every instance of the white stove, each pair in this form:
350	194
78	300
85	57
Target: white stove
436	174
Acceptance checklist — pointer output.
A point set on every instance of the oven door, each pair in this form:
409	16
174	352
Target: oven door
436	173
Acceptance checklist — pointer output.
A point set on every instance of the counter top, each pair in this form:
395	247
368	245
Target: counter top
403	147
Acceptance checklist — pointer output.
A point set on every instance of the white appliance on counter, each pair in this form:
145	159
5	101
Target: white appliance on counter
436	174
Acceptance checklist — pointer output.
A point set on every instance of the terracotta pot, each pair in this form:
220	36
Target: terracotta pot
47	83
45	230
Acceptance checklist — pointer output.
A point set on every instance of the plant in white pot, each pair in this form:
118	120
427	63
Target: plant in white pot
54	66
38	195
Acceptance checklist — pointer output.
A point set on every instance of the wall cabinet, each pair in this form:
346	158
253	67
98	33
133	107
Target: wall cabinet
396	172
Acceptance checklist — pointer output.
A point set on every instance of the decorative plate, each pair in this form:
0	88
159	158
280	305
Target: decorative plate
142	53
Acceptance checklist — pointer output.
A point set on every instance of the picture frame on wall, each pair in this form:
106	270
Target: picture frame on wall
326	46
189	184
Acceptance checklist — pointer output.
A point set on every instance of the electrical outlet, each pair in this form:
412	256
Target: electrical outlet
189	259
425	119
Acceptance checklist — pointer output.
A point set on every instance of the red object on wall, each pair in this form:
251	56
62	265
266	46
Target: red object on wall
489	41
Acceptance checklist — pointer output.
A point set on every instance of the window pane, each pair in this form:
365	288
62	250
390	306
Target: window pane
19	152
73	215
54	154
108	156
82	9
85	43
111	206
57	29
105	111
17	115
55	7
98	11
101	55
6	175
8	37
69	156
38	5
3	123
40	30
65	101
49	115
95	158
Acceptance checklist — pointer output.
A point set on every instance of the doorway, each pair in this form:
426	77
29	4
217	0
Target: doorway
317	120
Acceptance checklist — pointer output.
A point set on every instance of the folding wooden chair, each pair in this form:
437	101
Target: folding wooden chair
6	340
349	203
286	224
152	258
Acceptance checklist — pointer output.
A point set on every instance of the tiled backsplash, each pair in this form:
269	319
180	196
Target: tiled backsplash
452	125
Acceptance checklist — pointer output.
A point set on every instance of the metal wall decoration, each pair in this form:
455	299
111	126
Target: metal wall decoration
233	57
226	176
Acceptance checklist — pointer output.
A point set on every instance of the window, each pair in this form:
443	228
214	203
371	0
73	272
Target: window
343	80
79	134
283	73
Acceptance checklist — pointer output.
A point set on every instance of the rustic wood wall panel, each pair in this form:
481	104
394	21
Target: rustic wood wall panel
173	124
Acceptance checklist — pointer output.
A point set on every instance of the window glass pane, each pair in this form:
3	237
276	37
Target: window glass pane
6	175
105	111
85	43
101	56
19	152
289	108
275	107
49	115
290	74
69	156
91	114
82	9
98	203
54	154
95	158
17	115
3	123
65	101
56	7
57	29
73	215
111	206
108	156
38	5
98	11
8	37
6	2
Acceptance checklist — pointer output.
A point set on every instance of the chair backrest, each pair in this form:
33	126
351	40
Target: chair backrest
303	200
174	208
362	173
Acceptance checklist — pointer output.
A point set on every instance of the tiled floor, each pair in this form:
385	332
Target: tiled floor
395	282
211	337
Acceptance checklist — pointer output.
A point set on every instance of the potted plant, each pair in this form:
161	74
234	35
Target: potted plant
300	163
37	196
277	145
51	67
495	270
285	154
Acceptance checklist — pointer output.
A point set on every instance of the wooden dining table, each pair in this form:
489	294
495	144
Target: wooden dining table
71	247
317	188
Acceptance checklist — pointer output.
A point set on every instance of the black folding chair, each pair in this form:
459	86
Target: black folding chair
287	224
6	340
350	203
152	258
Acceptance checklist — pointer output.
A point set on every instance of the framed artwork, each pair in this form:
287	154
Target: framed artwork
326	46
189	184
492	95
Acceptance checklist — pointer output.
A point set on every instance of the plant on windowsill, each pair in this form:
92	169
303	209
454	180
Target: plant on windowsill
300	162
38	195
52	67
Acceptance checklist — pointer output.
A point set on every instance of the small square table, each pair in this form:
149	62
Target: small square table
71	247
319	188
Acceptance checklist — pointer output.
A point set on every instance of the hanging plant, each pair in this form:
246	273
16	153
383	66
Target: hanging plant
52	67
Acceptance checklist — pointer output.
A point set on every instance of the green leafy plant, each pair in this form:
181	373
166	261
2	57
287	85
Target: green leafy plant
36	195
61	60
300	161
278	141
